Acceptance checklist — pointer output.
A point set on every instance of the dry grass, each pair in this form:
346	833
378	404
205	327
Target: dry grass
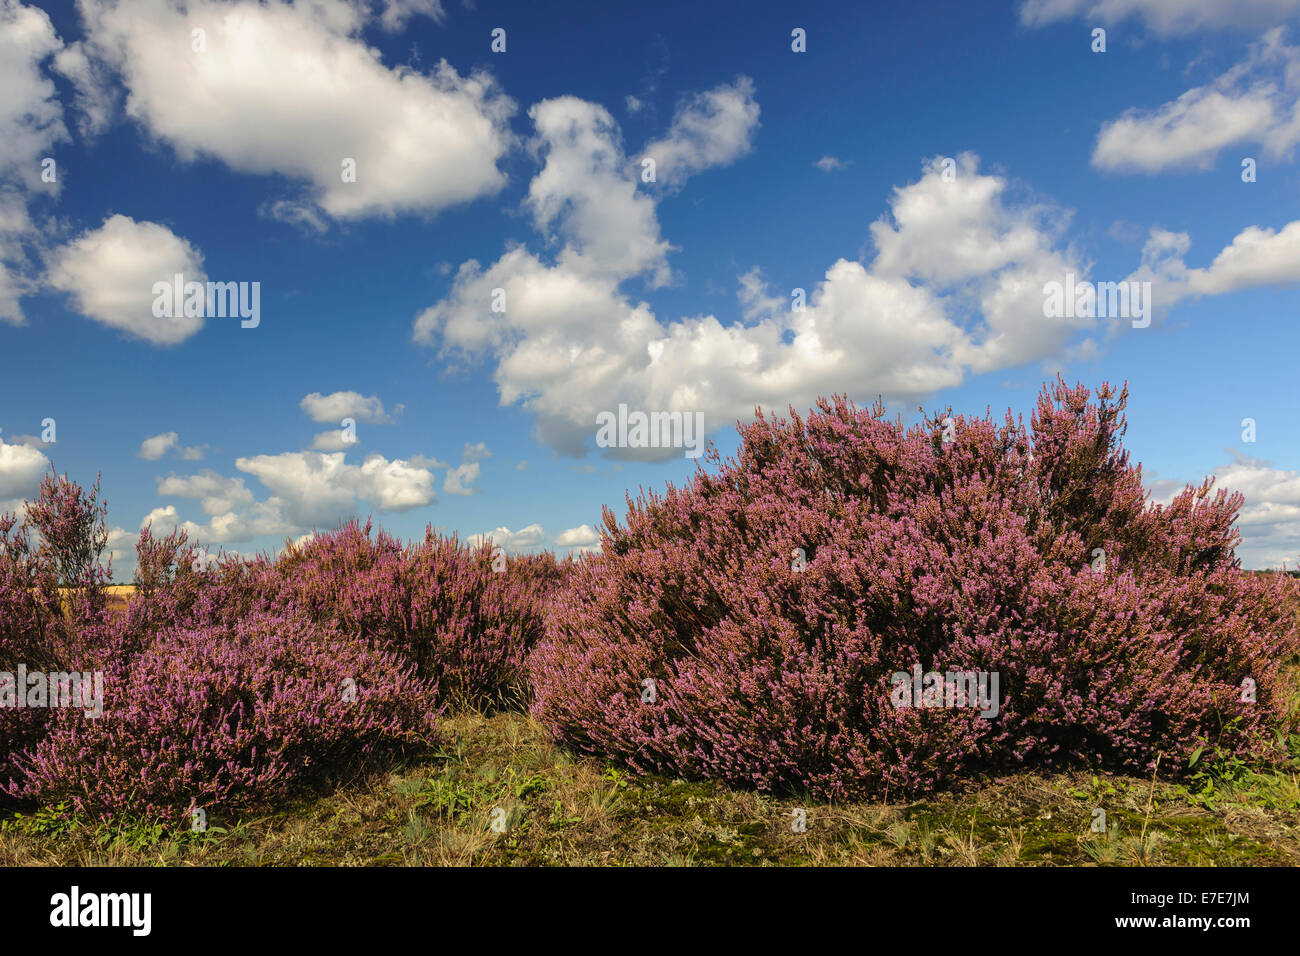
119	595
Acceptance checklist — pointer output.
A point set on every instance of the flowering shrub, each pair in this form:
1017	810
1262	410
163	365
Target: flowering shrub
462	618
29	619
71	524
441	604
59	541
223	681
746	627
471	626
163	562
230	716
541	573
465	619
29	600
170	590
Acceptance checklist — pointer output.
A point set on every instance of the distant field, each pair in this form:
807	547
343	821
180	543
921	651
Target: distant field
118	595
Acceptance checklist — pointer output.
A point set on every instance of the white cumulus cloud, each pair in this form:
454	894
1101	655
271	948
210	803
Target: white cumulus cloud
1256	103
293	90
337	406
514	542
110	272
460	480
31	122
21	469
712	128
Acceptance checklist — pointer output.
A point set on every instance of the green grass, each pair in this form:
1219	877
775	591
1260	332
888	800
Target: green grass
502	794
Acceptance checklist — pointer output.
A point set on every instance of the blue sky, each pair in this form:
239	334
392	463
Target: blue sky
521	170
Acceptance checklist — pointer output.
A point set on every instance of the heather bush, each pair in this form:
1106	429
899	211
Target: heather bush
440	603
52	596
471	625
223	679
29	600
541	573
71	527
164	562
746	626
465	620
170	590
29	624
228	717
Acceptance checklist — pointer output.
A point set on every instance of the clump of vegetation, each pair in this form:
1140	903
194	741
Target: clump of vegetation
747	627
231	683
